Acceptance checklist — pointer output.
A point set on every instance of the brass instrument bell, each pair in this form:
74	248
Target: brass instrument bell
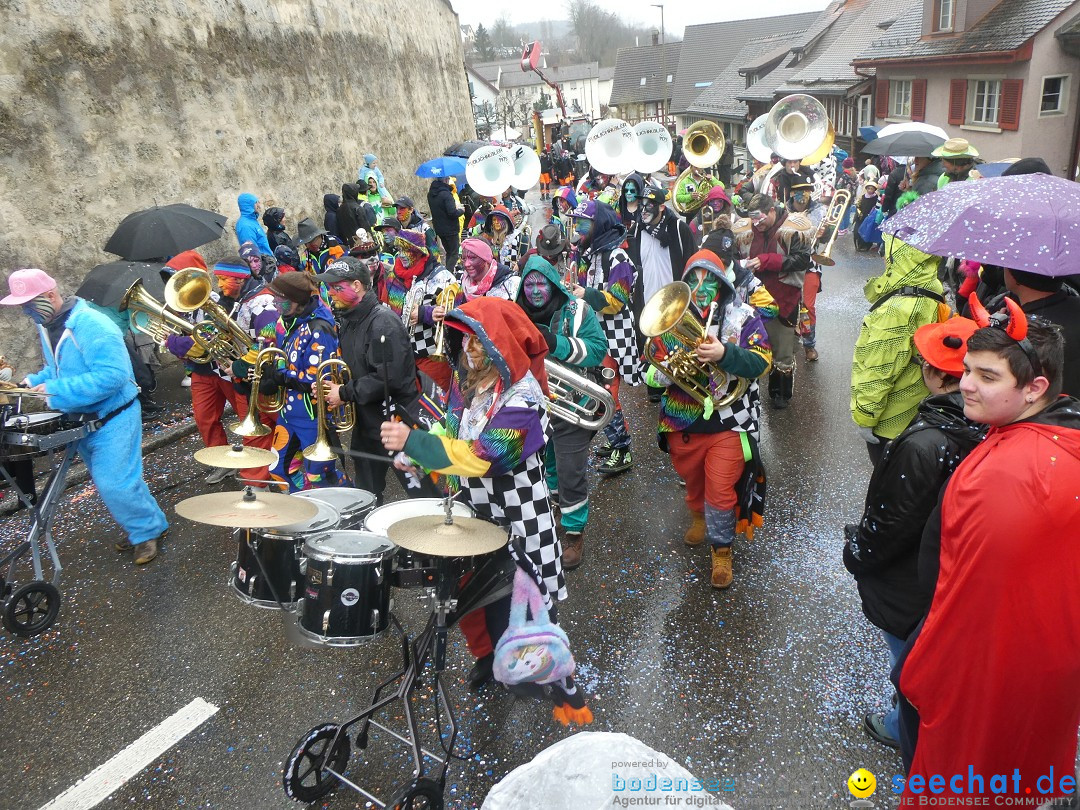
332	370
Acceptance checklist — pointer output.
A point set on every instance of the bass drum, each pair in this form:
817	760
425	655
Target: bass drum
347	596
280	552
410	569
352	504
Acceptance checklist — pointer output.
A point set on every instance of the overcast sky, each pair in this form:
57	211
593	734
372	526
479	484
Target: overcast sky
677	13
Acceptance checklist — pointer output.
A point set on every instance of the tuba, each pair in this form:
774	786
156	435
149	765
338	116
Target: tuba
251	425
333	370
833	217
703	145
797	127
188	290
150	317
668	313
577	399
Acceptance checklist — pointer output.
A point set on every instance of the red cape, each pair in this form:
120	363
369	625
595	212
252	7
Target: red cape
995	673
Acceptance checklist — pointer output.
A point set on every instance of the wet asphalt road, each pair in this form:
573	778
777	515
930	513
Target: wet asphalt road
762	687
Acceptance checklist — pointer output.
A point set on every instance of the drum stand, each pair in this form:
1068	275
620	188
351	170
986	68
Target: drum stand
318	761
32	608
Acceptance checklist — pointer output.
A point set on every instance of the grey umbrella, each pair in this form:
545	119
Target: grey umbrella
905	144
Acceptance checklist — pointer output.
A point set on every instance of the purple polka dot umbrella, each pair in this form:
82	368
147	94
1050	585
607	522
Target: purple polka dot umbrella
1025	222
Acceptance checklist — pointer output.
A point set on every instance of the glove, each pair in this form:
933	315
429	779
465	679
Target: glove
272	380
868	435
547	334
240	369
179	345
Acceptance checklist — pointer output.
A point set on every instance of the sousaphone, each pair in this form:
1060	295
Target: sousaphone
611	147
490	170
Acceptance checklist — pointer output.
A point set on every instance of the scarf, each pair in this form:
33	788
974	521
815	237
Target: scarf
478	288
408	275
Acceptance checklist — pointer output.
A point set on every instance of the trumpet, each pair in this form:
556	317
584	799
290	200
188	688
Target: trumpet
577	399
251	425
668	313
838	206
444	299
188	290
343	417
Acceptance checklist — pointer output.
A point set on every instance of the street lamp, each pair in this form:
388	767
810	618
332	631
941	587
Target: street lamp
663	61
661	7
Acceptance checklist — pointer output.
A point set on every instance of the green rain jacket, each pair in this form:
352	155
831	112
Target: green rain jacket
886	378
579	339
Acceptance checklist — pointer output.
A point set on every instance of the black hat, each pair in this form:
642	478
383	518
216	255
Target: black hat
1035	165
654	195
404	202
550	242
347	268
307	231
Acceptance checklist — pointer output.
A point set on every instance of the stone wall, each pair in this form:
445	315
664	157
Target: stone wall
107	108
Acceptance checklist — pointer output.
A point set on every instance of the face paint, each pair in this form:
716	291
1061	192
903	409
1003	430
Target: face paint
583	230
703	287
476	357
498	225
342	296
255	265
403	215
410	257
650	211
40	310
229	286
537	289
630	193
475	266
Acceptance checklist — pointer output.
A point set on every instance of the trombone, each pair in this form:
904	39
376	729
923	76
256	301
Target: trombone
343	417
834	215
251	425
444	299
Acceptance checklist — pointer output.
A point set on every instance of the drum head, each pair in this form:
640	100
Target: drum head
27	420
348	501
325	519
346	545
381	519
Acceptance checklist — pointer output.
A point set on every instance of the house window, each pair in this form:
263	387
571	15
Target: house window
985	102
1054	91
943	16
642	81
900	98
669	76
866	111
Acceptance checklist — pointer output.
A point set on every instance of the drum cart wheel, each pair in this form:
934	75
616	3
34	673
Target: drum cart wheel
420	794
307	775
32	608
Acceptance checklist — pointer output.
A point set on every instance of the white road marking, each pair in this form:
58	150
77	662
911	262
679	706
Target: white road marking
104	780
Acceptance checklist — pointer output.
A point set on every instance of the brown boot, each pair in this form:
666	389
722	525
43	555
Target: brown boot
695	535
721	566
573	549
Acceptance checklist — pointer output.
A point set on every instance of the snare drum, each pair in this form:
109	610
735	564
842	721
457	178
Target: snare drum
410	569
347	596
14	446
281	552
352	504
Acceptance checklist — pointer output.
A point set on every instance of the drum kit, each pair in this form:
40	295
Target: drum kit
31	608
330	562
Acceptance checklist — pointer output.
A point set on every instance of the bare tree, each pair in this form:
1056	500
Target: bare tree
486	118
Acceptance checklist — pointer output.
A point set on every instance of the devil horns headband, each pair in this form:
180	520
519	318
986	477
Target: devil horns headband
1013	321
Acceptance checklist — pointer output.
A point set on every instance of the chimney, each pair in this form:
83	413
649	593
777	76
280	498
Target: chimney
655	37
637	41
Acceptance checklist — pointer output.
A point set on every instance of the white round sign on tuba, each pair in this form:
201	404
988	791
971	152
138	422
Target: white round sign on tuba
490	170
654	146
611	147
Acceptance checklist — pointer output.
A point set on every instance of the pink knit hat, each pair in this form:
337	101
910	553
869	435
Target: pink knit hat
26	285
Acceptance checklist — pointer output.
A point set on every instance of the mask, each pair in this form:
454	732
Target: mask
537	290
476	357
403	215
408	258
342	296
630	194
582	231
40	310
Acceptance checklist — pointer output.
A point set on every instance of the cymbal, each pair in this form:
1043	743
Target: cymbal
15	391
226	456
430	535
266	510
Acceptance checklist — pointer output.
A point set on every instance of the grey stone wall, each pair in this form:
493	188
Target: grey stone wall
109	107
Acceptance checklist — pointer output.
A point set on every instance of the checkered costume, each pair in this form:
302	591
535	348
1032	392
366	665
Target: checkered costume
611	273
423	294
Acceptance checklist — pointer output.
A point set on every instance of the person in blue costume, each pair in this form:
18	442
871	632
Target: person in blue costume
248	227
88	371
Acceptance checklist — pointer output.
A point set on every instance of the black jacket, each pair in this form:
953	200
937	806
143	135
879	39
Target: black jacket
353	213
676	236
892	190
1063	308
331	202
444	210
359	332
883	554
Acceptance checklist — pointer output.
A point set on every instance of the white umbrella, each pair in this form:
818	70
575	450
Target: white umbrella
505	134
912	126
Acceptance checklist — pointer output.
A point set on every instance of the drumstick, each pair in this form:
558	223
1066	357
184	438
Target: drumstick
385	379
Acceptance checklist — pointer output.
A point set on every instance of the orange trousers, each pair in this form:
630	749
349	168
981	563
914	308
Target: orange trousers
710	464
209	393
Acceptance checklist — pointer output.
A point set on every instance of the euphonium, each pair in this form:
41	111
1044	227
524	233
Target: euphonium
833	217
668	312
577	399
188	290
342	417
444	299
251	425
155	321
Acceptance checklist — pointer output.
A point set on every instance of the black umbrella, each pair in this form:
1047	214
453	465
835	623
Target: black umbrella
163	231
106	284
465	149
905	144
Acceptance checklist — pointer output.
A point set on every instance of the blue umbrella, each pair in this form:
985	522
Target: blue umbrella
441	167
868	133
993	169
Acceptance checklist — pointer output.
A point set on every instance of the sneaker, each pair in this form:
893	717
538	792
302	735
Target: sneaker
619	461
186	382
874	726
603	450
145	552
217	475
